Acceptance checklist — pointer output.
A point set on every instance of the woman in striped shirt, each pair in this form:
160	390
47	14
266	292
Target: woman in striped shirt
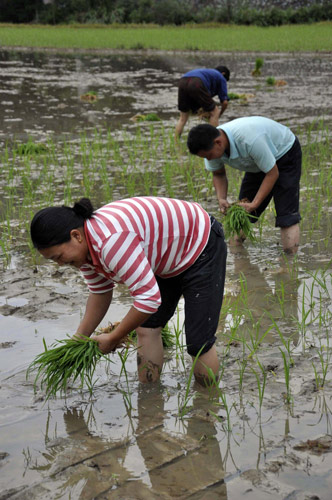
161	249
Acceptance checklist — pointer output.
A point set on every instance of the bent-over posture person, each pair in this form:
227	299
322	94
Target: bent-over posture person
269	154
196	90
161	249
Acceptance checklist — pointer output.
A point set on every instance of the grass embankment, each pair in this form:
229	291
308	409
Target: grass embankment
287	38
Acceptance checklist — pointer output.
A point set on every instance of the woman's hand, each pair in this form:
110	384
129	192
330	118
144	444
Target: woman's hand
106	342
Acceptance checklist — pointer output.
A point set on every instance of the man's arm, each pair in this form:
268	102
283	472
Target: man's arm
264	190
95	309
220	183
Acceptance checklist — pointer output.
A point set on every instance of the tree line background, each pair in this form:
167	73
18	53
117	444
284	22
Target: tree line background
165	12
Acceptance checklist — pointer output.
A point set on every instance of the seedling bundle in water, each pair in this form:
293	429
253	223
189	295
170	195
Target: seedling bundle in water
237	223
75	359
68	359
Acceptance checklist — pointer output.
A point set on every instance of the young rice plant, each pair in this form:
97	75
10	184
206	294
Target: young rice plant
68	359
237	222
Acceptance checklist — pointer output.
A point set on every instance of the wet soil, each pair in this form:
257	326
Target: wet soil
40	92
128	441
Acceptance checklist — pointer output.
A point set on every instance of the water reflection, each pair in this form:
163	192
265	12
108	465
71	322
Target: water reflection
150	463
265	296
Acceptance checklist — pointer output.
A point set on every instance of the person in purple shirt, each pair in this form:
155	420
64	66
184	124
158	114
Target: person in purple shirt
196	90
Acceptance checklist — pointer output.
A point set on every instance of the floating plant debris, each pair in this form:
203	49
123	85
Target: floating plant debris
150	117
90	96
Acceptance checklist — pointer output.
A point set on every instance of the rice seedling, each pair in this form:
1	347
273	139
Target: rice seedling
258	65
271	80
126	394
179	346
183	405
242	98
224	404
242	364
261	384
287	365
168	338
324	356
30	148
256	339
237	223
286	342
233	96
67	361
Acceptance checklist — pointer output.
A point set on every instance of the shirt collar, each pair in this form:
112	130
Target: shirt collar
233	151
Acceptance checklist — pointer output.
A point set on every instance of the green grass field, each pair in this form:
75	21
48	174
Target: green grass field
288	38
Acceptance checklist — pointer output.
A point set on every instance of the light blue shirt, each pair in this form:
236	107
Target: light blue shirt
256	143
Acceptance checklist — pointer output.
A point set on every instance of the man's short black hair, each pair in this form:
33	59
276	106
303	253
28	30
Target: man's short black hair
224	71
201	138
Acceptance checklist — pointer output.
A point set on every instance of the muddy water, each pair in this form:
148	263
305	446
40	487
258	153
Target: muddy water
40	92
127	441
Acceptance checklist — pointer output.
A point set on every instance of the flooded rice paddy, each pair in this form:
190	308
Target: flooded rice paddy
265	432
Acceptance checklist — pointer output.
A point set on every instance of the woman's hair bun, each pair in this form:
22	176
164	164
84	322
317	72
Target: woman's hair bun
83	208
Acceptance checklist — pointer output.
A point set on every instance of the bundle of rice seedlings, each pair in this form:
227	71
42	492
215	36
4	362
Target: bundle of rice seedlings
72	359
130	340
168	338
66	361
31	148
237	223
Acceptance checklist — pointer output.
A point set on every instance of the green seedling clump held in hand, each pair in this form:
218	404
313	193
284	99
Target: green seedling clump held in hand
237	223
68	359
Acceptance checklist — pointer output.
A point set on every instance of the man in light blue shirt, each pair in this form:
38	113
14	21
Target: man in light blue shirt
269	154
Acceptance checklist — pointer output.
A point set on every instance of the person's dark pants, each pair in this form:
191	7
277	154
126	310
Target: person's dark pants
202	286
193	95
285	192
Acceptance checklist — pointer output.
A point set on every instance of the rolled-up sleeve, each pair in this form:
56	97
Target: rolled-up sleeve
263	153
96	282
126	259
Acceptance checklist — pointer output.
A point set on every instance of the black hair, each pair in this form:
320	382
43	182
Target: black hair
201	138
224	71
52	225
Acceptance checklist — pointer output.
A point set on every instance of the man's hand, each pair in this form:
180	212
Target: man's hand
223	205
249	206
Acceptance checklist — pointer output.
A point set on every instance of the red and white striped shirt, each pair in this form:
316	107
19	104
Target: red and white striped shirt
132	240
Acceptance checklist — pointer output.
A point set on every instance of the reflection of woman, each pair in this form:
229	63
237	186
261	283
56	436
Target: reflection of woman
161	249
164	462
188	461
